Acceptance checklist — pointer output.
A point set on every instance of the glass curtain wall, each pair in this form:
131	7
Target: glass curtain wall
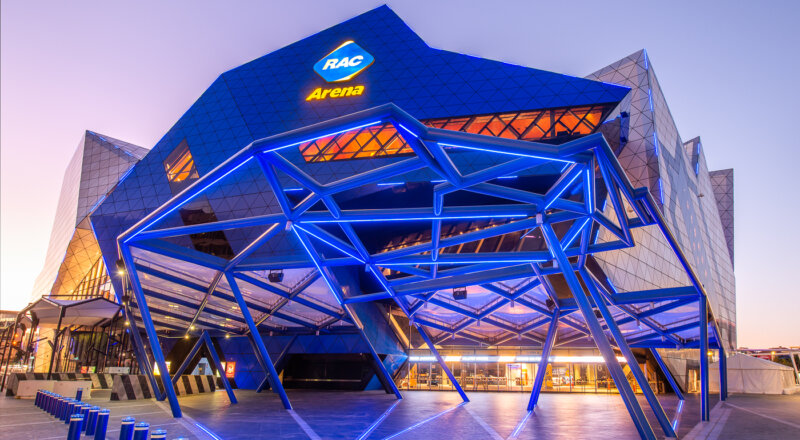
581	371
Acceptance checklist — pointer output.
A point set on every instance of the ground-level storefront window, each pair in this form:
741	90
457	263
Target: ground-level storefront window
576	371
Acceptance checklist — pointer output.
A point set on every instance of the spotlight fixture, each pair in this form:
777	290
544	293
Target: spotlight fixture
597	314
120	267
459	293
275	276
550	304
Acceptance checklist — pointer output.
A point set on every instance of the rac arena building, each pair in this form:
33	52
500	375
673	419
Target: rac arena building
359	210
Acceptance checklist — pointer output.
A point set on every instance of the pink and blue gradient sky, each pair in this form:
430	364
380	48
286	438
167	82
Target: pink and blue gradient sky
130	69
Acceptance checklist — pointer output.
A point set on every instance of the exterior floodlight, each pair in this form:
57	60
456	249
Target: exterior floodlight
460	293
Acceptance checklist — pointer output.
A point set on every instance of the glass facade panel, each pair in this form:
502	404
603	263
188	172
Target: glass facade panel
576	371
383	140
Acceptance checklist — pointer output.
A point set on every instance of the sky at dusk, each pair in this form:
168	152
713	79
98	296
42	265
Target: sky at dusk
130	69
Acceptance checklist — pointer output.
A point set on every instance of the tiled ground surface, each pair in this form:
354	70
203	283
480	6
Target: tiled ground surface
421	414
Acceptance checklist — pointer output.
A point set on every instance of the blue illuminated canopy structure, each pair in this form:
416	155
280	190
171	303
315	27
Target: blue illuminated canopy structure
326	221
479	202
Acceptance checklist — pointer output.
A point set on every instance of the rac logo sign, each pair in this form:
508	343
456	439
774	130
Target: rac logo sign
343	63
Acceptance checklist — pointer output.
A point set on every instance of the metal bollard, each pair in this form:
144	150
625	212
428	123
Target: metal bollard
102	424
85	413
126	430
71	405
36	399
62	409
57	407
159	434
51	403
141	430
79	394
53	407
91	420
75	426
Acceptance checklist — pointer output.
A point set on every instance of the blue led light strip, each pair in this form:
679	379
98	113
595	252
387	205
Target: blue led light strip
521	425
322	136
566	187
418	424
533	156
330	243
375	424
178	205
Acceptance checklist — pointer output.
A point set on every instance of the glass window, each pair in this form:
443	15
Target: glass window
180	168
382	140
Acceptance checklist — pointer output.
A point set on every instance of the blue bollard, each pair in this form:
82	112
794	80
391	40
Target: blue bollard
159	434
71	405
91	420
62	409
141	430
85	413
102	424
56	410
79	394
48	405
53	405
126	430
36	399
75	426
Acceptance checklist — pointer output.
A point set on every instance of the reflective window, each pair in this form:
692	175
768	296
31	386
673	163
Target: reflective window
179	166
383	140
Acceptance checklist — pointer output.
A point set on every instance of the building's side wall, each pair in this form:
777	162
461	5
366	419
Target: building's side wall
63	225
655	157
722	182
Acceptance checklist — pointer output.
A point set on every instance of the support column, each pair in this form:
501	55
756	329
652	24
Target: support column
256	337
655	405
723	375
337	292
283	354
439	359
794	364
212	351
549	341
387	381
10	350
56	337
705	411
185	364
596	331
667	374
150	329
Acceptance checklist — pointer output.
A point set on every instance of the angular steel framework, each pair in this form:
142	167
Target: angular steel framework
567	216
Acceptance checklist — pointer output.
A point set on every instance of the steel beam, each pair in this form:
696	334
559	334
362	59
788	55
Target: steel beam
188	359
212	351
633	365
256	337
667	374
155	345
614	368
336	290
441	362
550	340
281	356
705	410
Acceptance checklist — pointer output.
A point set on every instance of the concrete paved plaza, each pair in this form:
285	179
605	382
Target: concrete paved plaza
421	414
